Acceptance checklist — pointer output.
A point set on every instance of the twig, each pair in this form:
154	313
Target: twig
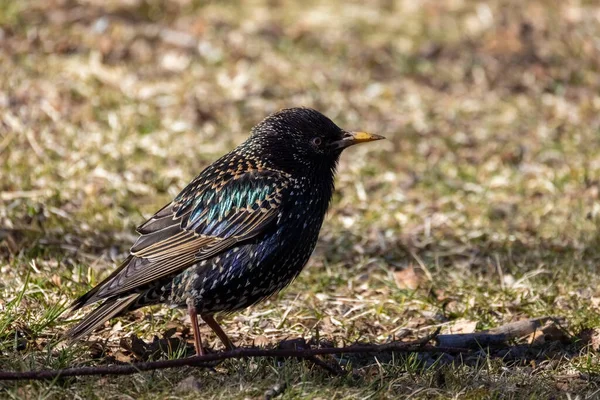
493	337
198	361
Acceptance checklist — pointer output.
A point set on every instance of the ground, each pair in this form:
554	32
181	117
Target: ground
481	208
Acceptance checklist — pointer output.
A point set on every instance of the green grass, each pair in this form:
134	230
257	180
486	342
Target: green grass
489	180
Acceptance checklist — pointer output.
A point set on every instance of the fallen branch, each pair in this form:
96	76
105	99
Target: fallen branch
204	361
493	337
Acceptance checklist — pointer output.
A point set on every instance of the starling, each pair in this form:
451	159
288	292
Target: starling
240	232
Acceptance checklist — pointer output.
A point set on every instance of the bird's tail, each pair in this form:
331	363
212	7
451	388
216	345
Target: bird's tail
107	310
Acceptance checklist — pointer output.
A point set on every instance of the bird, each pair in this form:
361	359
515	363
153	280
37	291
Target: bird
238	233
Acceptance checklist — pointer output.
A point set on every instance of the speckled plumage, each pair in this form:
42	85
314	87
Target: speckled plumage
240	231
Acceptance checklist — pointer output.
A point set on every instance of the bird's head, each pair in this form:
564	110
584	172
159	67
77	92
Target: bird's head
304	139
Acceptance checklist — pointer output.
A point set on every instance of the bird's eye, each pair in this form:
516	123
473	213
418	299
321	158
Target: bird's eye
317	141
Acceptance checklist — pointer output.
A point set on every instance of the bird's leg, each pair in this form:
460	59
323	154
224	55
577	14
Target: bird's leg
196	329
217	329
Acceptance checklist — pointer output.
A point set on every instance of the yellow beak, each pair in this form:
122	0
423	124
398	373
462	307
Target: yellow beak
352	138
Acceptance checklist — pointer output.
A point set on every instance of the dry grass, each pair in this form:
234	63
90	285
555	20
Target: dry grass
488	186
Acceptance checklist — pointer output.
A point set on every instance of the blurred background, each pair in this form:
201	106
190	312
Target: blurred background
109	107
482	205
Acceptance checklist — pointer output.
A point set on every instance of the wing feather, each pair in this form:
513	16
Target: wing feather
206	218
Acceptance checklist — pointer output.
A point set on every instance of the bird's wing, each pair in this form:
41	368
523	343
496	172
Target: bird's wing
210	215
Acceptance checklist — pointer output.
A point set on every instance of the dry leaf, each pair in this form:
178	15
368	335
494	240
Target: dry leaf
537	338
138	347
552	332
56	280
261	341
326	325
408	278
463	326
592	337
121	357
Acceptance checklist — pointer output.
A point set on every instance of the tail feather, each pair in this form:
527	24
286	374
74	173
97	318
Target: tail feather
90	297
107	310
